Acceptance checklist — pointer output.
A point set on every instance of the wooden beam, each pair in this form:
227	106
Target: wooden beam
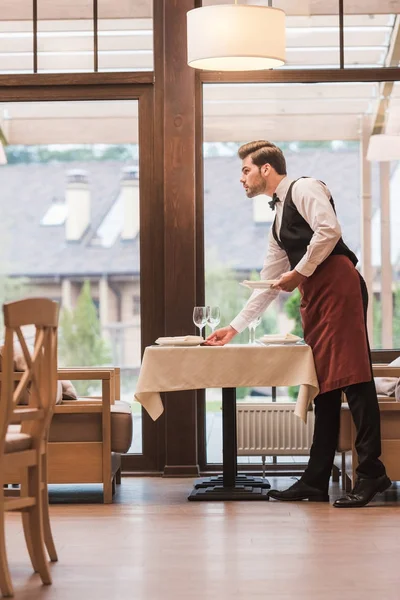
73	79
303	75
180	227
386	88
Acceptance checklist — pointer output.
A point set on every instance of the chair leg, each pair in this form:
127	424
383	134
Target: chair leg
26	523
48	536
118	477
335	474
35	525
6	587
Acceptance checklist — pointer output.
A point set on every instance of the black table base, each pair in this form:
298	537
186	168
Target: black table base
237	492
241	479
230	486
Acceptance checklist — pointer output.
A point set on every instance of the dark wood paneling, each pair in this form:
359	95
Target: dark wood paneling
69	92
180	226
303	75
158	190
384	356
200	268
74	79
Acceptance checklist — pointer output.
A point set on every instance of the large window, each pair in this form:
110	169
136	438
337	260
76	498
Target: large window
320	128
70	228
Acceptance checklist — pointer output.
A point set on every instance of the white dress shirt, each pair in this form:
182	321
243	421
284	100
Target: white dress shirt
311	198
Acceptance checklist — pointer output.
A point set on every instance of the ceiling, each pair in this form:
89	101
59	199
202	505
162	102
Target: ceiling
232	112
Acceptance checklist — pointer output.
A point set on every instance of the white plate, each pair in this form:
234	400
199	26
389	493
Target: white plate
280	343
259	285
178	344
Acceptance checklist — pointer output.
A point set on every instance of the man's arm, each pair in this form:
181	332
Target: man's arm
276	262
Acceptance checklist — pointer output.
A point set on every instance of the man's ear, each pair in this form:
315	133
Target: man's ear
266	169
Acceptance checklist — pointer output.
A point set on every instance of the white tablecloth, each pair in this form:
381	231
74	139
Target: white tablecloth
166	369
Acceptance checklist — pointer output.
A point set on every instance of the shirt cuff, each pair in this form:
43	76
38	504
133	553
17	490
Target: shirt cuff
306	268
239	323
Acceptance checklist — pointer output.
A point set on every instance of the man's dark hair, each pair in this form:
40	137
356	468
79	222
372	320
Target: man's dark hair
263	152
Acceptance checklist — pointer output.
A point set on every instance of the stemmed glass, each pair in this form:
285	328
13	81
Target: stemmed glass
252	330
213	315
200	318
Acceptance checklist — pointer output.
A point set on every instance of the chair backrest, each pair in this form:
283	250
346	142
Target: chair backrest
40	373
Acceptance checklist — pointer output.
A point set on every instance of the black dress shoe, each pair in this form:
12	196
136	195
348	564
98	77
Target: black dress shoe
299	491
363	492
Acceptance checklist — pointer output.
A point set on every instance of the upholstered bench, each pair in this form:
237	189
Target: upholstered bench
87	436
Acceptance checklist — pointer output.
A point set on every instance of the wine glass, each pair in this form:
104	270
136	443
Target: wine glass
252	330
213	315
199	318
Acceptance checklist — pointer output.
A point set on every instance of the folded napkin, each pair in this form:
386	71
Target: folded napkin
280	337
180	339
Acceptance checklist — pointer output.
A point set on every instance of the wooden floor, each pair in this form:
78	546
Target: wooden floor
152	544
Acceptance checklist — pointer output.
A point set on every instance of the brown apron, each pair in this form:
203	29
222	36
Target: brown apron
332	313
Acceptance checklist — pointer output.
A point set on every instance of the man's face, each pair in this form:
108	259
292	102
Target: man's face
251	179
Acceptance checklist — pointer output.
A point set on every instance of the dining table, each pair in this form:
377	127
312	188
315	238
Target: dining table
175	368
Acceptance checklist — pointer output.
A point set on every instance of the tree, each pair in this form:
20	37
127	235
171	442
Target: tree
223	290
11	289
80	340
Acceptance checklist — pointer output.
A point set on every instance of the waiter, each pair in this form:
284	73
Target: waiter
306	250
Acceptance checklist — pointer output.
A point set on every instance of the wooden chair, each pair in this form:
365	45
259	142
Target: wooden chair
24	453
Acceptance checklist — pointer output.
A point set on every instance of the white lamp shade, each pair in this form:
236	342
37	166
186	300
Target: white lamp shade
383	147
234	37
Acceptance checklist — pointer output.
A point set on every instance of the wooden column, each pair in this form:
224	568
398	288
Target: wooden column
386	262
366	220
180	227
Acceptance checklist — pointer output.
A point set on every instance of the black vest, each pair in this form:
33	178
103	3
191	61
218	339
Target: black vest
296	234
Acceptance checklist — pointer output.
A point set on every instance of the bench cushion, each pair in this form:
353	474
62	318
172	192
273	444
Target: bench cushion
87	427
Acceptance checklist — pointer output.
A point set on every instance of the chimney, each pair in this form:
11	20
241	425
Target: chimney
77	199
130	200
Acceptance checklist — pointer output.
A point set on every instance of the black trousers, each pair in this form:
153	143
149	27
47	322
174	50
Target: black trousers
363	404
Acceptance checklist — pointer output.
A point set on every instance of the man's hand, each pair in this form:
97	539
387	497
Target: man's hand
289	281
220	337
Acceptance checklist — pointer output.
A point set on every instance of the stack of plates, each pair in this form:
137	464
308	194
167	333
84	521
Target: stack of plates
264	284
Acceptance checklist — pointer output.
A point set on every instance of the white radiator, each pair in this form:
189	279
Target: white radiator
272	429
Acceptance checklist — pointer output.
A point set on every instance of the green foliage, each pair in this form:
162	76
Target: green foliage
292	309
223	290
11	289
46	154
377	320
80	340
377	316
396	319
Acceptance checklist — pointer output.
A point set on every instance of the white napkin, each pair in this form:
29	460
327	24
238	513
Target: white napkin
280	337
259	285
180	339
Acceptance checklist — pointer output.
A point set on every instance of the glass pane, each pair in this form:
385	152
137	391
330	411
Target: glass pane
70	197
367	39
125	36
318	127
65	36
16	36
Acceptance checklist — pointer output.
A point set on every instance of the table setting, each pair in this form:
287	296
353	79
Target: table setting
186	362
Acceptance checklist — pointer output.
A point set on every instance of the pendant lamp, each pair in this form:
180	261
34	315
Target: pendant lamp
235	37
